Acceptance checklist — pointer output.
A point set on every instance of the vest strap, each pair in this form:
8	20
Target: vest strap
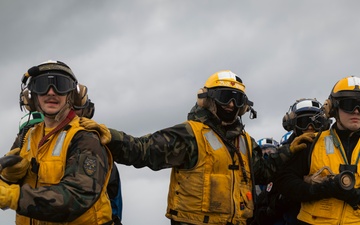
234	167
109	223
67	120
206	219
173	212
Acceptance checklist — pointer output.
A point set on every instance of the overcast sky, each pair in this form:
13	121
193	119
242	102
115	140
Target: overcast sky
144	61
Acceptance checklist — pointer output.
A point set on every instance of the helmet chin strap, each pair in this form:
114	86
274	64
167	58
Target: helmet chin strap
60	115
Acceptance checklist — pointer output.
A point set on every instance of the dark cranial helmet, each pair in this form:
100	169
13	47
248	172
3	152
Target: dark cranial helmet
305	112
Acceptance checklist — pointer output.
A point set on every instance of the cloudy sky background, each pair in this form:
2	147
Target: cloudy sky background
144	61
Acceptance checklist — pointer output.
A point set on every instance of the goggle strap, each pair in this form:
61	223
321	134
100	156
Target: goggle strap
203	95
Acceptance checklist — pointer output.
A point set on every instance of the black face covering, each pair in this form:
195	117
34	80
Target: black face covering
225	115
266	155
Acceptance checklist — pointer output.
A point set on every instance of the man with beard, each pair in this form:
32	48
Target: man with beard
215	162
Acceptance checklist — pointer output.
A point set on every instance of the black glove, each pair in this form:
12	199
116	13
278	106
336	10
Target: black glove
320	191
354	199
332	189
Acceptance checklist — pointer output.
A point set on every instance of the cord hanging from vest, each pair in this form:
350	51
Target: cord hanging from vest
232	149
67	120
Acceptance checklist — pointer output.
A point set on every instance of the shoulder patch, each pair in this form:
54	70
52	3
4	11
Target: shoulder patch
90	166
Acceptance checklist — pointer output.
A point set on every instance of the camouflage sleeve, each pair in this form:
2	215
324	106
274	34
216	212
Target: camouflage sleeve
264	170
85	173
174	146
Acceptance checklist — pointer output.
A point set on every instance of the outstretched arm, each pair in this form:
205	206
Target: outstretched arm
169	147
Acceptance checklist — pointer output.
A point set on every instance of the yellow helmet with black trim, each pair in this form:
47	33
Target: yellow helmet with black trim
346	87
219	90
225	78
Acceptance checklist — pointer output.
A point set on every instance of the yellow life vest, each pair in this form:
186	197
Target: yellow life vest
214	192
52	158
330	210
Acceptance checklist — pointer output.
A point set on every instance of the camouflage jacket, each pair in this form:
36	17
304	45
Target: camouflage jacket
176	147
77	191
114	185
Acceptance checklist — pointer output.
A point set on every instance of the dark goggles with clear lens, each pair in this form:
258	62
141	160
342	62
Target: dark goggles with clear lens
62	84
225	96
349	105
302	122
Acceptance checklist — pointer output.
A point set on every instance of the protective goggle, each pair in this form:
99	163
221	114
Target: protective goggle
349	105
225	96
62	84
302	122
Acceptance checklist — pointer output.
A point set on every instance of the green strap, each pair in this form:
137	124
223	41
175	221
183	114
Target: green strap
339	146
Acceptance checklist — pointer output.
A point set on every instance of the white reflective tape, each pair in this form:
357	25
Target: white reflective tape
242	145
59	144
304	104
329	145
352	81
29	140
227	75
213	140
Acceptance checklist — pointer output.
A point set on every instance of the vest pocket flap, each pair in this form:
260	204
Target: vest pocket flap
325	208
51	172
219	195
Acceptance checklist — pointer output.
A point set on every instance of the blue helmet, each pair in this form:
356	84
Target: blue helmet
284	139
310	111
267	142
268	146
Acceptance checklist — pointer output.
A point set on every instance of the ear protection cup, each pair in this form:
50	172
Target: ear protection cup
243	110
328	108
89	110
27	101
285	122
202	99
80	96
288	121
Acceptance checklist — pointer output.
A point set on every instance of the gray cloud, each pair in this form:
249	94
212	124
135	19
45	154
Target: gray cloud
143	62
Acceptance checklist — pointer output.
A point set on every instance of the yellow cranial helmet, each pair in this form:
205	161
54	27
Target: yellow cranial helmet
219	90
345	95
225	78
346	87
